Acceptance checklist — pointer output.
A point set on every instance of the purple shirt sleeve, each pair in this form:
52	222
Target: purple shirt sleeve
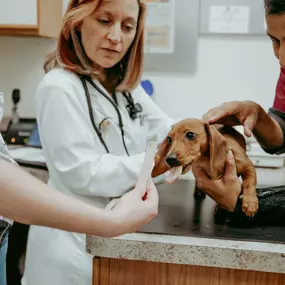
277	112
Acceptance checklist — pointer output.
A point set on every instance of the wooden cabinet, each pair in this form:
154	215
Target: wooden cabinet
30	17
127	272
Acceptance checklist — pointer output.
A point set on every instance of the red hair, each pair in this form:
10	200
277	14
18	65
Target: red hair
69	53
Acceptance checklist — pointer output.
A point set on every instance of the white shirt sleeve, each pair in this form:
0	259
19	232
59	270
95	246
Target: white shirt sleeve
4	154
73	153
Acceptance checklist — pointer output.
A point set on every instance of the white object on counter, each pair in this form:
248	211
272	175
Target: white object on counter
30	154
262	159
266	160
258	156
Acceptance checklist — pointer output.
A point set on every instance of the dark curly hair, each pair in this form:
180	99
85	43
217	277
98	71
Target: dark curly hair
274	7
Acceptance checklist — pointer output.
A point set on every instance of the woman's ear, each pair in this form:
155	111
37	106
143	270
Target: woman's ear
217	151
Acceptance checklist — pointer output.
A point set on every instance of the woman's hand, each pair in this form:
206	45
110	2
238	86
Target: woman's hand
235	113
226	190
135	209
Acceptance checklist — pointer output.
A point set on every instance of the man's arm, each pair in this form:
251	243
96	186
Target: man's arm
270	131
270	128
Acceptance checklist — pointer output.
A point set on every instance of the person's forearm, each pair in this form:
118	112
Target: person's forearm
268	131
25	199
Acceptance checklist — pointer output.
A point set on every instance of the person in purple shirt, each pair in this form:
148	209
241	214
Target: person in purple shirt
267	127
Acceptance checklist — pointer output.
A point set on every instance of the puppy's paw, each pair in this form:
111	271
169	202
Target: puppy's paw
249	204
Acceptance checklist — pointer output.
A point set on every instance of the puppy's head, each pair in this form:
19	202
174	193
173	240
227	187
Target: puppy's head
186	142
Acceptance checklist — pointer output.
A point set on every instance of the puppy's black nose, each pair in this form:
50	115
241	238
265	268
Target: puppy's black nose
172	160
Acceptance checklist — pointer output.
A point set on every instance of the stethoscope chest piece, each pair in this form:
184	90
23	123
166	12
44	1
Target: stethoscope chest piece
132	108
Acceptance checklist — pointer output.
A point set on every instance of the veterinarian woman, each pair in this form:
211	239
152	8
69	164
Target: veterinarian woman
94	122
268	128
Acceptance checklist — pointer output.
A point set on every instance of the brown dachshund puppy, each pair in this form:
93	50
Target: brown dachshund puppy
193	143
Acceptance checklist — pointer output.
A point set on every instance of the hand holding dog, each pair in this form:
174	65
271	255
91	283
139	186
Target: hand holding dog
226	190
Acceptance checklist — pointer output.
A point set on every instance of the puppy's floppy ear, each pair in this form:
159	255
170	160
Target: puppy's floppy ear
217	151
160	166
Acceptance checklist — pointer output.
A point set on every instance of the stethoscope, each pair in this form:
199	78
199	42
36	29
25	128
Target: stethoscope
133	109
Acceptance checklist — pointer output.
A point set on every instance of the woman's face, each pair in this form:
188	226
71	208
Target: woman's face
276	31
108	33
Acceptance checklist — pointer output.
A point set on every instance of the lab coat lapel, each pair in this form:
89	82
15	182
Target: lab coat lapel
101	104
112	136
106	118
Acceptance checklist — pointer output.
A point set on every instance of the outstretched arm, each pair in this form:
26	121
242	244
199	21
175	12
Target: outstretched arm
28	200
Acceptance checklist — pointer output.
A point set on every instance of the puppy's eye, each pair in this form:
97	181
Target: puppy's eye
190	136
169	140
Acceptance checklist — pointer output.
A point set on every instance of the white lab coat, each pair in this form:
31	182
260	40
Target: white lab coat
79	165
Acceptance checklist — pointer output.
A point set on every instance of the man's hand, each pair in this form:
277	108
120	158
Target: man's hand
245	113
226	190
253	118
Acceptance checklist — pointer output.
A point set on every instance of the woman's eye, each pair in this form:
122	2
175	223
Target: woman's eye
190	136
127	28
104	21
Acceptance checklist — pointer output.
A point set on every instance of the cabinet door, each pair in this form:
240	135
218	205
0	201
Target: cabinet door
19	13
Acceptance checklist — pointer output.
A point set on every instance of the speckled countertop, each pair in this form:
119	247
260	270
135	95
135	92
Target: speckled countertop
267	257
185	233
